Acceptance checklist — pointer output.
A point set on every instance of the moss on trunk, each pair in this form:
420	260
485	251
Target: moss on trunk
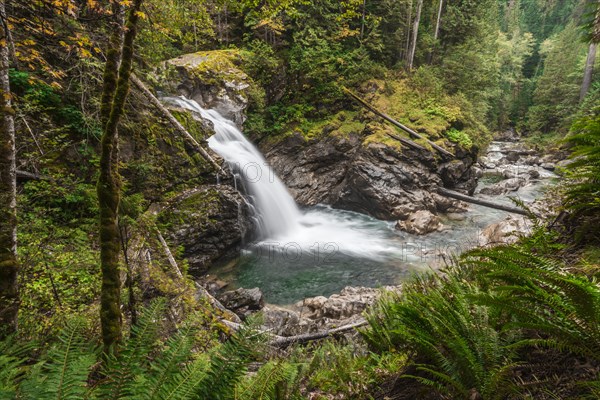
109	190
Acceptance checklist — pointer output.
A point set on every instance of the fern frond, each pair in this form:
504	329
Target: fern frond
63	374
121	370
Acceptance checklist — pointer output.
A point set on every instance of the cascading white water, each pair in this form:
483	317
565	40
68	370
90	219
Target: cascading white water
282	224
276	208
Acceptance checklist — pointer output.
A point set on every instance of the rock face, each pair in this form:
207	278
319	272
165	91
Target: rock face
208	222
420	223
213	80
383	181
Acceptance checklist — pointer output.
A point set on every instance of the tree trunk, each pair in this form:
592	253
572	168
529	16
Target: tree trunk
9	290
113	60
109	192
591	57
415	36
589	71
362	22
436	32
408	23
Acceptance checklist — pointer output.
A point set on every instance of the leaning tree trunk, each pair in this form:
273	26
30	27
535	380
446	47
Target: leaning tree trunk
415	36
436	31
9	290
109	193
591	57
589	71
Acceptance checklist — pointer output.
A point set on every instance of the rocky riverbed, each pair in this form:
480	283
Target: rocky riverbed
509	168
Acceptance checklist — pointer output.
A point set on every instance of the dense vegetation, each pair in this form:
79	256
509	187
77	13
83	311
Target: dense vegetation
508	322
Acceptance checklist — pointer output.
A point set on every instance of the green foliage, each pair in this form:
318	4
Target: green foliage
454	341
557	92
540	297
59	273
41	97
274	380
459	137
583	192
145	368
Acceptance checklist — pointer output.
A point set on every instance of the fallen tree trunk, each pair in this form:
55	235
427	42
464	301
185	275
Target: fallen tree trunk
30	176
286	341
485	203
406	129
176	124
407	142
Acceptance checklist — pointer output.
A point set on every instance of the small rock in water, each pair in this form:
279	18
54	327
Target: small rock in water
420	223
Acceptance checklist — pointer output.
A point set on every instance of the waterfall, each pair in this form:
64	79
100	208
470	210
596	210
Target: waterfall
317	232
277	210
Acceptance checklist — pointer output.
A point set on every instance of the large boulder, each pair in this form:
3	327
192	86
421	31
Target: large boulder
208	222
420	223
507	231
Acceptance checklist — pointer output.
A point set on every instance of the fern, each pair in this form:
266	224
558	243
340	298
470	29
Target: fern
542	297
12	360
63	374
272	381
458	346
121	370
163	379
583	191
228	365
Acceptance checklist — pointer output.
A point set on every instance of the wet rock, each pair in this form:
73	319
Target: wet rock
242	301
420	223
507	231
506	186
534	173
531	160
548	166
207	222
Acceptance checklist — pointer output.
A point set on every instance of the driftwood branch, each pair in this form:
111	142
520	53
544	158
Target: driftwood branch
406	129
485	203
176	124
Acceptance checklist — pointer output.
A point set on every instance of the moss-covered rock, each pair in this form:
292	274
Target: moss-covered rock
215	79
207	223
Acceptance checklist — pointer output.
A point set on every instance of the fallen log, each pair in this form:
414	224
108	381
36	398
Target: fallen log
406	129
30	176
283	341
485	203
407	142
176	124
